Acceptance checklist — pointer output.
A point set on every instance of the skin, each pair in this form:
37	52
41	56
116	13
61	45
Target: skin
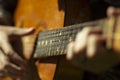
89	39
88	51
11	64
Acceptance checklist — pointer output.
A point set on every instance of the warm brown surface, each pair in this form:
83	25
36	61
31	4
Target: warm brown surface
46	15
116	43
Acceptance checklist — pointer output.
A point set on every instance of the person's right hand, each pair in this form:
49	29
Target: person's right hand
11	64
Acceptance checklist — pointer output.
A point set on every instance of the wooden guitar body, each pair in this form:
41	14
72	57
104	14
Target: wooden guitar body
47	15
53	14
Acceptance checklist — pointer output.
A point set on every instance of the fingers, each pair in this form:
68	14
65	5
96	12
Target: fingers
11	64
3	60
8	51
81	40
87	41
17	31
112	11
70	51
16	59
79	44
21	32
7	68
12	71
93	44
5	44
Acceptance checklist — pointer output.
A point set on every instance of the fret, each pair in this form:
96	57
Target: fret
49	51
54	42
70	39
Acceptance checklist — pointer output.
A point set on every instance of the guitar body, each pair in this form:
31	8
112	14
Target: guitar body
47	15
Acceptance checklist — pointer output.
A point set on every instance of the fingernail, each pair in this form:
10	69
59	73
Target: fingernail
69	56
30	29
90	52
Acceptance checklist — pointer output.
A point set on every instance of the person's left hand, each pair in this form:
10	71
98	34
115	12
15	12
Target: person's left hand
89	48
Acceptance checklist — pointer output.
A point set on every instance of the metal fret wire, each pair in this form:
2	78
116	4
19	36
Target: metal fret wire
54	42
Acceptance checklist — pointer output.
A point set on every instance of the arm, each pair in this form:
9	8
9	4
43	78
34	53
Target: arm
92	42
12	64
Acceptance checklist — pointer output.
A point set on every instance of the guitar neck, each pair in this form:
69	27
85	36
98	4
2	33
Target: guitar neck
54	42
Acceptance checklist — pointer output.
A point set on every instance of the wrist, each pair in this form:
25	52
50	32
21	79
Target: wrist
99	63
32	73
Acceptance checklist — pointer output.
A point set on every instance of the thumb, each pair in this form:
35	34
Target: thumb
21	32
17	31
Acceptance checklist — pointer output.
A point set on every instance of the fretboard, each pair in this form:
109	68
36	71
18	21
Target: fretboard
54	42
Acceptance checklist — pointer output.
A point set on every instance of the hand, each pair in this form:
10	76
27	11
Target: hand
11	64
92	42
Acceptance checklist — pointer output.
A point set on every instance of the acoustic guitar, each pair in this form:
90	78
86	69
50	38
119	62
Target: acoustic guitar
48	15
51	44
